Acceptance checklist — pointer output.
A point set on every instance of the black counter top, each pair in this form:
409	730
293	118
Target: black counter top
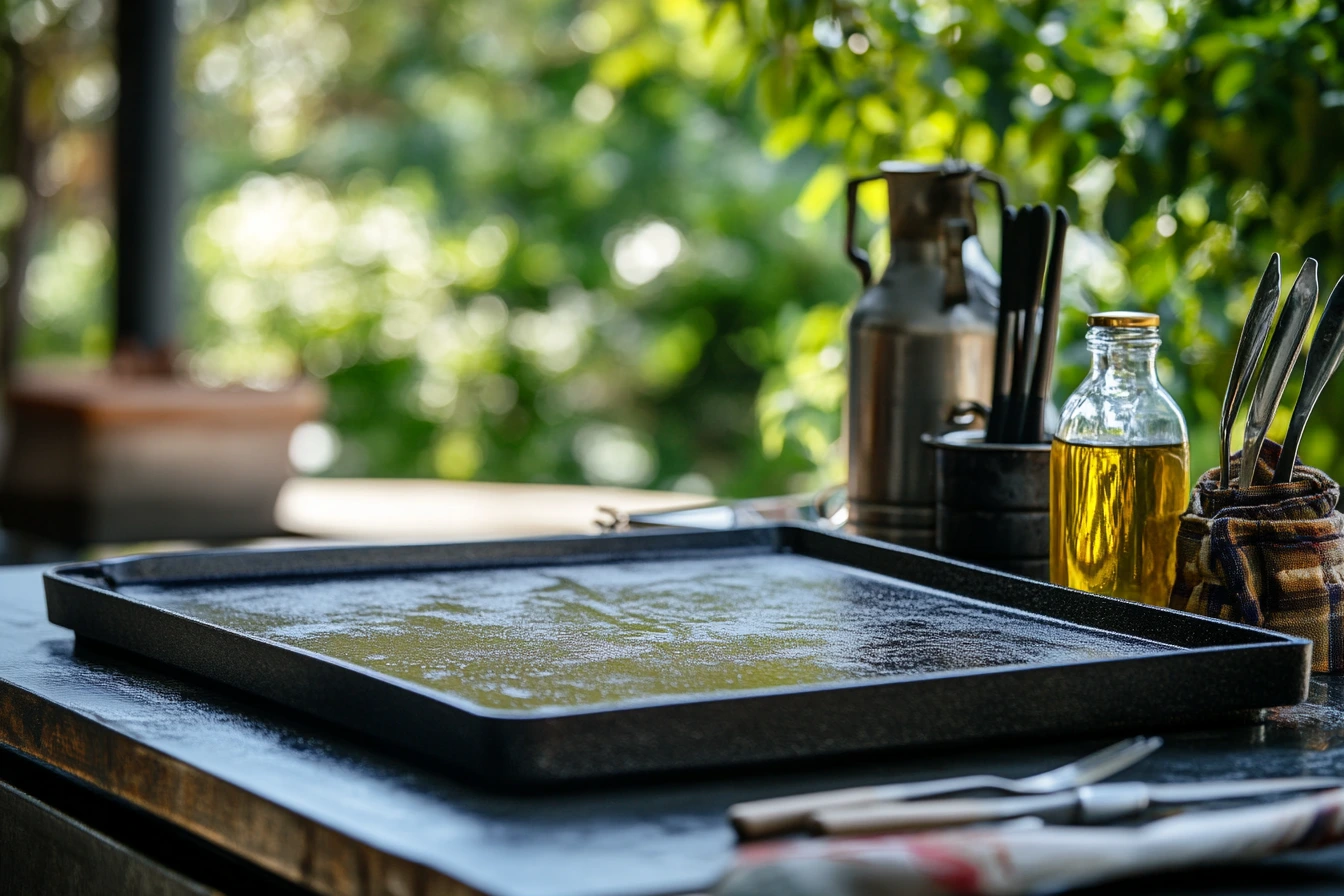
310	805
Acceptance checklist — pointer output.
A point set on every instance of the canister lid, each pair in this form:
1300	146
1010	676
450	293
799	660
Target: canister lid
1123	319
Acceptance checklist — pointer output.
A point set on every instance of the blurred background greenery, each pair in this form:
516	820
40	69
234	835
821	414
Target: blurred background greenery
552	240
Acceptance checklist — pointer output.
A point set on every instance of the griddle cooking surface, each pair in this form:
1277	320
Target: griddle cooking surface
576	636
530	663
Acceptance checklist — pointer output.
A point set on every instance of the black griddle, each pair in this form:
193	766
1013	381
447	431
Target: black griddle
549	660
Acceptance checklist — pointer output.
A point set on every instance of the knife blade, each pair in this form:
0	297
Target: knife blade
1254	332
1093	804
1323	358
1284	347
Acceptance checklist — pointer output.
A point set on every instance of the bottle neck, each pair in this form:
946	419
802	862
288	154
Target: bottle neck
1124	354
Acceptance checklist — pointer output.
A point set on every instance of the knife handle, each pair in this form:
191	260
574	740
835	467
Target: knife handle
781	814
875	818
762	818
1100	803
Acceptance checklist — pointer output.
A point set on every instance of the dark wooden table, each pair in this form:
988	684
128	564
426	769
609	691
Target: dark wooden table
121	777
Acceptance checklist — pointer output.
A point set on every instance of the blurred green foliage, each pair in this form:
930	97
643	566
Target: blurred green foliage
560	240
535	240
1188	138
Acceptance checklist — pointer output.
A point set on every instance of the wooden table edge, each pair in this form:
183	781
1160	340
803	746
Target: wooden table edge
280	840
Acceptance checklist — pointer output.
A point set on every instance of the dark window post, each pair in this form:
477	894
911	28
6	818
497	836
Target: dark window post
21	162
146	184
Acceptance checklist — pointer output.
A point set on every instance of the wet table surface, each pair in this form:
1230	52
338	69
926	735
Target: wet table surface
314	807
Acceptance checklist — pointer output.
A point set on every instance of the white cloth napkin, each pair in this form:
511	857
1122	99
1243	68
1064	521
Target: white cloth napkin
1023	859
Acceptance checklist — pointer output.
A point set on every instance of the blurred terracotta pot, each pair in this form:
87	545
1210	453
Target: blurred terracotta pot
113	457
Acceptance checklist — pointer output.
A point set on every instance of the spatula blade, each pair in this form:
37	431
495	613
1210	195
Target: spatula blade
1284	347
1254	332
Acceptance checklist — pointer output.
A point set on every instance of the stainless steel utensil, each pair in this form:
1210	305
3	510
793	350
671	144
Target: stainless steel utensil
1327	348
1005	342
1033	420
1284	347
1094	804
763	818
1253	335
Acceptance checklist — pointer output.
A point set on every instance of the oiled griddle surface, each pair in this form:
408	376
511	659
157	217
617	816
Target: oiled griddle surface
594	634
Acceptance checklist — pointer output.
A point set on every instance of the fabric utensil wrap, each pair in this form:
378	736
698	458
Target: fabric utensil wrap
1018	859
1271	555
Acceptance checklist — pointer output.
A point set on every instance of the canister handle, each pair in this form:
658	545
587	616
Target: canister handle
999	185
856	255
965	413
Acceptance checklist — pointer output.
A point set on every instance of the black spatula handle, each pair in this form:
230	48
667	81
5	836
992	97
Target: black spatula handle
1033	423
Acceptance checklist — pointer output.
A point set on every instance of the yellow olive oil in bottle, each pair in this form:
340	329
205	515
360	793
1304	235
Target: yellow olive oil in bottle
1119	469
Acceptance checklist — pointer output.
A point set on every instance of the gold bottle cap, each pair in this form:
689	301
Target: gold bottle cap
1123	319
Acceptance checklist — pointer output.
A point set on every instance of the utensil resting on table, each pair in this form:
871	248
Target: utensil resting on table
1090	804
764	818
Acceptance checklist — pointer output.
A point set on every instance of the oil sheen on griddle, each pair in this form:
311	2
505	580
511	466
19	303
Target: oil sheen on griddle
1114	515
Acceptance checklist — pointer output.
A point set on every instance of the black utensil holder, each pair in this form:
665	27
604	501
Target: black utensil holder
992	503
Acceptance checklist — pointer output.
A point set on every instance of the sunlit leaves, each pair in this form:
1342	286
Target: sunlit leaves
1191	138
787	135
546	228
801	401
63	280
821	192
632	62
1232	80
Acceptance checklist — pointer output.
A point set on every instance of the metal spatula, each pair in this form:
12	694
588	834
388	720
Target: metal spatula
1253	335
1327	349
1037	229
1033	421
1284	347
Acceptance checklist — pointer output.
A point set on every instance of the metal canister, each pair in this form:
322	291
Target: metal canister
992	503
917	348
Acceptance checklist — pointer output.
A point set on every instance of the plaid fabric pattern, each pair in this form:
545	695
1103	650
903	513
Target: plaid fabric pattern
1270	555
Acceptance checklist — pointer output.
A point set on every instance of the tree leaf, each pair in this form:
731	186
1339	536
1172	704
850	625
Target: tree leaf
821	192
1232	80
877	116
787	135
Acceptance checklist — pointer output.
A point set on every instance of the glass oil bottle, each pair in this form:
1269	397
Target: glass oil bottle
1119	469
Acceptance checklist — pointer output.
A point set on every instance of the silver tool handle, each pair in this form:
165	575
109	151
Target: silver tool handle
875	818
764	818
1098	804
